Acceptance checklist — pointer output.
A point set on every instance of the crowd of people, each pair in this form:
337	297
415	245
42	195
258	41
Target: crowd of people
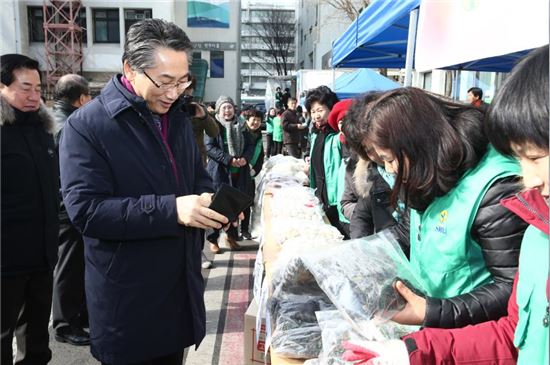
105	204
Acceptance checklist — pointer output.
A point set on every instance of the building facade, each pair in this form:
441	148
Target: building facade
317	25
256	62
105	22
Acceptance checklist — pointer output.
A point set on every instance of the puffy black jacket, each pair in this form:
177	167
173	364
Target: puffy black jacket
373	211
499	233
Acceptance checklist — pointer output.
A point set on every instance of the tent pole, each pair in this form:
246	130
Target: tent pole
411	43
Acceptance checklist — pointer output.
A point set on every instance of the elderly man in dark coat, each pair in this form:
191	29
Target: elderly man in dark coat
30	185
69	313
134	184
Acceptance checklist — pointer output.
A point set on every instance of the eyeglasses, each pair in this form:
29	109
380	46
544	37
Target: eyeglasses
180	86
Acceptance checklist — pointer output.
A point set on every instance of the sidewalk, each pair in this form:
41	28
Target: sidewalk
227	295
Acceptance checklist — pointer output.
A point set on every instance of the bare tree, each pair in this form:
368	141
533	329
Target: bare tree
352	8
276	30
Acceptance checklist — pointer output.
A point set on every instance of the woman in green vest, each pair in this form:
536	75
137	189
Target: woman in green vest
517	126
464	245
326	154
269	130
278	133
253	119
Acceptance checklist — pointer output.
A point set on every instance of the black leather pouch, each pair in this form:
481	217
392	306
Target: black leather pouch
229	201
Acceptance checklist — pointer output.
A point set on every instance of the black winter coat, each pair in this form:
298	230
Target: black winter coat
61	111
219	160
30	184
373	211
144	287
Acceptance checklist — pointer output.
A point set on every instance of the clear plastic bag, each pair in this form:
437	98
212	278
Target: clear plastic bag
296	331
334	330
357	276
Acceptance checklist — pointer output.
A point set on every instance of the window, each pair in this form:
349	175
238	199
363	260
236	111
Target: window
427	82
216	64
132	16
197	55
36	23
106	26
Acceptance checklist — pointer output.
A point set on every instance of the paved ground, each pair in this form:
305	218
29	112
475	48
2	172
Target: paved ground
227	295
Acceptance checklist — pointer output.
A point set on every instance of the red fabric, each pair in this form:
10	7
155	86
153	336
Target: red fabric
485	343
338	113
536	202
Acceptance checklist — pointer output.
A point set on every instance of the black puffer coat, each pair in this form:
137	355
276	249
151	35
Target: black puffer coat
373	211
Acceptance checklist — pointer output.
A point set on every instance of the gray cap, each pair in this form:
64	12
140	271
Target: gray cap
223	99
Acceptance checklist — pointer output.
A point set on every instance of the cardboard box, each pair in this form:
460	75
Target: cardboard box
254	351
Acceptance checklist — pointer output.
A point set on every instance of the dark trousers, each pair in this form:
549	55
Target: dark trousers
69	300
245	224
293	149
212	235
277	148
26	306
269	139
172	359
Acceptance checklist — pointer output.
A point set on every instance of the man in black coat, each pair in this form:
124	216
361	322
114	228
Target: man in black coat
69	306
292	129
134	184
30	185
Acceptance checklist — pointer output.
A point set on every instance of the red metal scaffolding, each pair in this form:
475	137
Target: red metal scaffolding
63	39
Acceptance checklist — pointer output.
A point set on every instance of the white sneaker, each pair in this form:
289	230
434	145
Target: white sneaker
206	264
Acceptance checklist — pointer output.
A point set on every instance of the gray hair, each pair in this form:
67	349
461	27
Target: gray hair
70	87
145	36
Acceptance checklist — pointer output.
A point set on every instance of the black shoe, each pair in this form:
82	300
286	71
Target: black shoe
72	335
240	238
246	235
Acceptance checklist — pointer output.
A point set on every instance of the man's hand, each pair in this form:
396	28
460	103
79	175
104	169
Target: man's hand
415	309
199	111
193	211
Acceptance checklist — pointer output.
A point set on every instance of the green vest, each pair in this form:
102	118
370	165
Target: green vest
341	187
443	253
269	125
257	151
332	159
277	129
531	337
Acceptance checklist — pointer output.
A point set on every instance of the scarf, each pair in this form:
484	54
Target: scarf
233	135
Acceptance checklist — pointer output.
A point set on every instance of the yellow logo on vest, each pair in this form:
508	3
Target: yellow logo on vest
443	216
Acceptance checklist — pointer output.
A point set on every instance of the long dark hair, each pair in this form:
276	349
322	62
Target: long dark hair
519	112
354	126
441	139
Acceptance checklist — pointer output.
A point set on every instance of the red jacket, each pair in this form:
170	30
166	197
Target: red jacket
489	342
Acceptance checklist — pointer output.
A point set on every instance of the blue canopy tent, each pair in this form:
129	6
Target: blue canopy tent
361	81
503	63
377	38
